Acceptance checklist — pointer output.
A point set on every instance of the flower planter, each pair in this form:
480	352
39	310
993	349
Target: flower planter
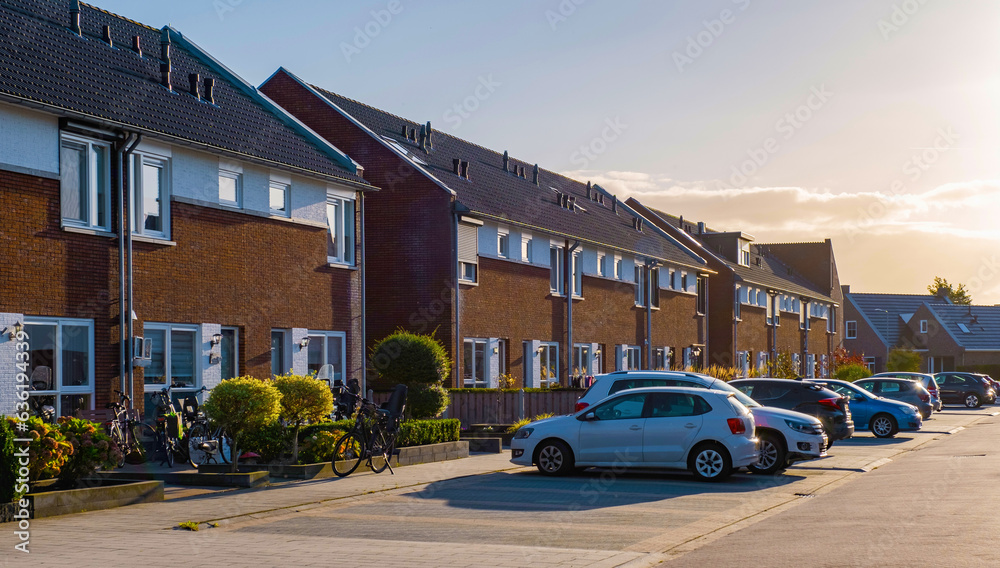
97	494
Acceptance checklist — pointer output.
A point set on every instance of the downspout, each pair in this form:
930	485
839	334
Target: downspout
364	301
457	309
649	313
570	284
736	327
127	233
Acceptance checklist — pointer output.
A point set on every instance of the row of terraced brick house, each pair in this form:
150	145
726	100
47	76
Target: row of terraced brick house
167	222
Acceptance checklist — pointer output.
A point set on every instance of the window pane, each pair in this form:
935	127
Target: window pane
277	352
101	179
73	170
182	357
228	349
315	355
156	372
278	192
229	189
468	376
348	232
480	362
334	356
333	220
41	348
75	356
152	198
73	404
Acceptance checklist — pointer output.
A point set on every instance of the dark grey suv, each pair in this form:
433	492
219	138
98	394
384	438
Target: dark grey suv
806	397
963	388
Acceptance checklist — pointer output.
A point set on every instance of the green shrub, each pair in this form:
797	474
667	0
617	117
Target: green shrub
48	451
411	432
527	390
319	447
92	449
8	465
525	421
303	399
851	372
268	441
782	367
903	361
241	406
426	401
410	359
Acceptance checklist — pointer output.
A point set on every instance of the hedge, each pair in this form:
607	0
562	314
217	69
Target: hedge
411	432
533	389
8	465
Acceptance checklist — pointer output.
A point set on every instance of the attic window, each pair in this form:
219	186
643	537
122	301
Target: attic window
964	328
402	149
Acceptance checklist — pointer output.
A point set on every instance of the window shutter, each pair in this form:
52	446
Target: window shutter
468	243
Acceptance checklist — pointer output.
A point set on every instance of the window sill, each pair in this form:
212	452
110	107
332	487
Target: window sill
342	265
153	240
86	231
563	296
467	283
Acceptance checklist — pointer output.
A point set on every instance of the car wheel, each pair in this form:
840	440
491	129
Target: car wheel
710	462
772	455
883	426
972	400
554	458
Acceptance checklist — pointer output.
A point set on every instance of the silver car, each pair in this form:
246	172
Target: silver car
905	390
927	380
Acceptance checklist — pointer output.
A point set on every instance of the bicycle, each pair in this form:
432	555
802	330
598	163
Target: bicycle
169	428
204	443
126	431
373	436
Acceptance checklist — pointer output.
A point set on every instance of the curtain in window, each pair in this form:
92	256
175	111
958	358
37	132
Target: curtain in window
182	356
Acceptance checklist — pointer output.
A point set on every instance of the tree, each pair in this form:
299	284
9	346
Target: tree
303	399
958	294
410	359
903	360
242	406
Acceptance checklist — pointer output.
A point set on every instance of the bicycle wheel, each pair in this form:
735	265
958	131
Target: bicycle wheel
143	443
347	454
198	440
115	433
225	445
382	449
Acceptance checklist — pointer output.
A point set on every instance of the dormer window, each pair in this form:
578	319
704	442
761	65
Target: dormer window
744	253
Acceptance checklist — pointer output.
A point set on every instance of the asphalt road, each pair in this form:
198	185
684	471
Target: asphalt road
919	498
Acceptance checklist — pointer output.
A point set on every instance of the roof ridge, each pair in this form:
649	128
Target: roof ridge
891	294
120	17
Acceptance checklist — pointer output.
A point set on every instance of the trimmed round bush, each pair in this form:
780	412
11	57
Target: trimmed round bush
410	359
242	406
426	401
303	399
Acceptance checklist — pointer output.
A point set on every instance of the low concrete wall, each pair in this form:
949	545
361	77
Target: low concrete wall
52	503
433	453
490	445
220	478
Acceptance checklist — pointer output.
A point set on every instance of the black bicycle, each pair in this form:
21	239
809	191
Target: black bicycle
205	442
169	429
127	432
373	436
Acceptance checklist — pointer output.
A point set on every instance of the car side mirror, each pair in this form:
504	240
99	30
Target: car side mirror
587	417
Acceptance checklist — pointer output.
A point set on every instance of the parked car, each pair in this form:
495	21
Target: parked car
785	436
883	416
963	388
905	390
807	397
925	379
992	384
708	432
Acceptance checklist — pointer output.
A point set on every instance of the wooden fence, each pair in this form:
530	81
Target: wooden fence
480	407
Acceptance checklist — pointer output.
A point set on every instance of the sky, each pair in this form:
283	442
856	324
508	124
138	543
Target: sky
875	123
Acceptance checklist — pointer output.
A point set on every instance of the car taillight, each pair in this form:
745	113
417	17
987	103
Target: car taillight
924	397
737	426
830	403
580	406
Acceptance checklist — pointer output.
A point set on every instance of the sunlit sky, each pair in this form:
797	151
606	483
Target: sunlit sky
872	122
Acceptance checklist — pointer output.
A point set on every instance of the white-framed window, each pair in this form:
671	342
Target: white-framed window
640	285
804	316
468	272
702	306
327	348
619	268
151	195
582	360
340	220
660	359
831	320
503	244
744	253
230	188
602	264
468	252
474	371
870	363
737	305
923	326
229	350
279	197
633	358
176	352
577	275
557	274
85	186
59	363
852	329
526	248
280	357
548	356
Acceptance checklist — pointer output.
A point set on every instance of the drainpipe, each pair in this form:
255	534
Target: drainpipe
649	313
736	327
457	310
127	233
364	301
570	283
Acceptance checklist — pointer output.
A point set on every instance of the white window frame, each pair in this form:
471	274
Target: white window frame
286	355
324	338
237	177
847	329
602	268
923	326
196	371
345	216
95	203
583	359
503	243
139	161
278	185
577	269
619	268
464	272
744	253
632	358
552	350
870	363
236	348
482	379
526	248
56	375
557	277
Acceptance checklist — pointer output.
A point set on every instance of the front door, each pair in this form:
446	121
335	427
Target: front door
615	433
673	423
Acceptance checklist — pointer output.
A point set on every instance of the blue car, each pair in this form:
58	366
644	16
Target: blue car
884	417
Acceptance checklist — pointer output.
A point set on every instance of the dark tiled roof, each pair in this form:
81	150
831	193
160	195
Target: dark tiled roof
43	63
492	192
771	273
983	323
888	322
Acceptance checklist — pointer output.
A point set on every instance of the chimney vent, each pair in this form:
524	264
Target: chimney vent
430	131
455	167
506	161
107	36
465	170
209	90
165	59
534	175
520	172
406	132
572	203
589	194
423	137
614	205
701	227
559	198
413	135
193	80
137	45
74	17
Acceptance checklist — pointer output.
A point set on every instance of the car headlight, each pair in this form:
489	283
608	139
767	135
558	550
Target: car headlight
805	427
523	433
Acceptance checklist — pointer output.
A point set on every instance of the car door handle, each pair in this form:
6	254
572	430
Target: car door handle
635	427
689	425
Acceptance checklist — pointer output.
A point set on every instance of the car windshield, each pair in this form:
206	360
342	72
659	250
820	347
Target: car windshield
744	399
849	390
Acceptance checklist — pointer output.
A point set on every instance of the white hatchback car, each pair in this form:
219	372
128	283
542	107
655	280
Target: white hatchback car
706	431
785	436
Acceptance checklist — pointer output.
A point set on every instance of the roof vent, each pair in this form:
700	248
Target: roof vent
406	132
572	203
210	90
520	172
137	45
165	59
559	198
637	223
590	195
430	131
614	205
412	137
465	169
757	261
506	161
74	17
534	175
423	137
193	80
701	227
107	36
456	166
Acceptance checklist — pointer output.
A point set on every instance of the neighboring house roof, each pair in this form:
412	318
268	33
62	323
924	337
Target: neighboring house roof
46	65
494	194
973	327
771	272
883	312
